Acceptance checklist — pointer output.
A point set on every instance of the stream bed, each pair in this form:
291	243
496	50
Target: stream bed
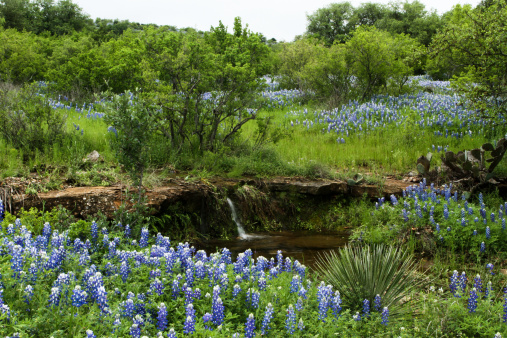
301	245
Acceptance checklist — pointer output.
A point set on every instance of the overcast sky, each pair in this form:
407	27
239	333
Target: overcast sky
282	20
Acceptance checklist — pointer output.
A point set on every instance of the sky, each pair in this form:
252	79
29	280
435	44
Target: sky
282	20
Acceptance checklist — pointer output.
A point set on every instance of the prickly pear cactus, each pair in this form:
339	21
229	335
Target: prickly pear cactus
474	163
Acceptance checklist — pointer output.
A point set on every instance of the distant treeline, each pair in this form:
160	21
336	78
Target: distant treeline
346	51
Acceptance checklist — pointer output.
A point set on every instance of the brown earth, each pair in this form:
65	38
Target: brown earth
84	201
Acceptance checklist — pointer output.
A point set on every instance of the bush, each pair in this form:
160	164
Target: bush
28	121
361	273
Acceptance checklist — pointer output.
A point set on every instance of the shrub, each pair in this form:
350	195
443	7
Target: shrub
361	273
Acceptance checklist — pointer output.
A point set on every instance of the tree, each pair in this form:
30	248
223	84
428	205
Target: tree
15	13
410	18
473	48
204	85
131	122
367	14
331	23
376	57
40	16
293	60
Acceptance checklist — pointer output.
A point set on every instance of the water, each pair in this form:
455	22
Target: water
304	246
241	231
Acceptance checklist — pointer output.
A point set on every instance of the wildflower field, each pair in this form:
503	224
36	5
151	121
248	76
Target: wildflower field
111	284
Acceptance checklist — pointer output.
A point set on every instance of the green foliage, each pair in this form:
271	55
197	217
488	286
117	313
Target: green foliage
132	123
331	24
29	122
39	16
361	273
23	56
59	218
472	48
336	23
376	58
410	18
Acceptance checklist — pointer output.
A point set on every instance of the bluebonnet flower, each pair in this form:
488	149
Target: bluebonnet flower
250	326
472	301
446	211
295	283
176	287
336	304
301	325
171	334
255	299
357	316
377	303
474	233
290	320
478	283
124	271
162	317
217	311
385	316
437	227
17	260
366	307
489	290
454	284
143	242
483	247
299	304
262	284
54	297
303	292
126	232
463	281
235	291
488	233
157	286
78	297
189	326
27	294
503	224
206	319
490	267
89	334
492	216
128	310
135	331
394	200
2	211
504	317
101	298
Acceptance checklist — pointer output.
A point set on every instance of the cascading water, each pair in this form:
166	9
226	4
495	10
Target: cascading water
241	231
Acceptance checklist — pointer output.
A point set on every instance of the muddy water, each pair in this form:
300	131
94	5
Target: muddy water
301	245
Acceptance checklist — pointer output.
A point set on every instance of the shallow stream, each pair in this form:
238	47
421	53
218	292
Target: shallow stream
301	245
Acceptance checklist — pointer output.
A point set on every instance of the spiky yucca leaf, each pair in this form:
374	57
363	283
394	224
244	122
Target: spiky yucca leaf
361	273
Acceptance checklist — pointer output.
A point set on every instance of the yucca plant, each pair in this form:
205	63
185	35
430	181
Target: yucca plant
363	272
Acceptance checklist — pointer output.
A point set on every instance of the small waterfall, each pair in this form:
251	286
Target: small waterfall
241	231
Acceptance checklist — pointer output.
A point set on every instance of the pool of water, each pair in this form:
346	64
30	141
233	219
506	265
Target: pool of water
301	245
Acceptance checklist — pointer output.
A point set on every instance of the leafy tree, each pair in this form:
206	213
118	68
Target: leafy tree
410	18
131	122
15	13
40	16
293	59
367	14
473	48
331	23
376	57
23	56
204	84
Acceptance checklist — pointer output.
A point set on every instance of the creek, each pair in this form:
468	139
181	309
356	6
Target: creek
305	246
